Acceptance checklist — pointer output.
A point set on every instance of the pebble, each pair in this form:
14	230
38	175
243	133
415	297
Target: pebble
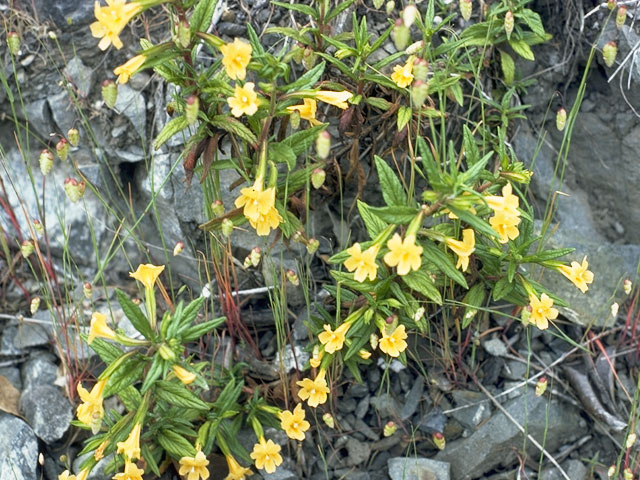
47	411
402	468
19	448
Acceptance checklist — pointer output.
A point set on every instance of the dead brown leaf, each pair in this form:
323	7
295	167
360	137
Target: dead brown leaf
9	397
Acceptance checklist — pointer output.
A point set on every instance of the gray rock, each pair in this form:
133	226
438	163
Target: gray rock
31	334
131	104
7	347
290	361
13	375
18	449
39	116
47	411
386	405
576	470
495	347
477	408
63	111
494	442
402	468
357	452
65	13
280	474
412	399
39	369
81	76
99	471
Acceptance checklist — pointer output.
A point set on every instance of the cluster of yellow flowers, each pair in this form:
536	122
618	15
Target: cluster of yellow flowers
259	207
506	216
111	20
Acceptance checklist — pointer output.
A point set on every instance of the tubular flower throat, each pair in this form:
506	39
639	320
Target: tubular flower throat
131	446
333	340
506	214
131	472
235	58
90	412
314	391
307	110
236	471
337	99
266	455
129	68
463	248
244	100
578	274
402	75
99	328
293	423
194	468
403	254
184	375
394	344
111	20
147	274
364	263
542	310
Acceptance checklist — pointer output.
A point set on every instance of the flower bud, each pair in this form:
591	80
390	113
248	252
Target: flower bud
217	208
612	471
508	23
166	353
87	290
627	474
525	315
74	137
35	305
627	286
541	386
631	439
183	38
178	248
420	70
46	161
109	93
401	35
561	119
409	15
390	7
309	58
292	277
74	189
377	4
294	120
41	459
13	41
389	428
419	314
614	309
317	177
316	358
312	245
226	227
621	16
609	53
465	9
611	4
439	441
364	354
323	146
52	35
414	48
255	256
298	236
327	418
391	319
62	149
419	93
373	341
26	248
192	109
37	226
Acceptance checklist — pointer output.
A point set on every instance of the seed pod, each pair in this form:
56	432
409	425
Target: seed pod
414	48
217	208
364	354
401	35
74	137
62	149
52	35
541	386
183	39
627	474
390	7
178	248
312	246
465	9
508	23
292	277
37	226
409	15
419	93
109	93
420	69
419	314
226	227
373	341
377	4
309	58
255	256
46	161
561	119
87	290
611	4
631	439
192	109
439	441
389	428
614	309
26	248
525	315
327	418
166	352
612	471
35	305
74	189
627	286
323	147
13	42
294	119
621	16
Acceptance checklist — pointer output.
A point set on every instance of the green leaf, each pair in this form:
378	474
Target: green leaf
471	152
392	190
522	49
135	315
105	350
289	32
508	67
254	40
170	129
502	288
154	372
130	398
473	299
177	394
470	175
202	14
338	10
404	115
548	255
346	279
302	140
150	458
189	313
533	21
175	445
395	214
372	223
421	282
444	263
308	80
201	329
478	224
456	91
281	152
376	102
232	125
298	7
129	372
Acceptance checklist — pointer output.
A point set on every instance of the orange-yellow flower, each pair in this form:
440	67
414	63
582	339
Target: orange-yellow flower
111	20
337	99
542	310
266	455
90	412
244	100
131	472
147	274
505	225
578	274
333	340
99	328
83	475
394	344
314	391
184	375
66	475
316	358
293	423
364	263
508	202
256	201
235	58
131	446
307	110
236	471
194	468
402	75
129	68
264	223
406	255
463	248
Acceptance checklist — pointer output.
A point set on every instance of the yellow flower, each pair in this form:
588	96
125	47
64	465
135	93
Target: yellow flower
507	203
333	341
463	248
337	99
129	68
505	225
307	110
236	471
402	75
406	255
147	274
264	223
98	454
244	100
266	455
542	310
256	201
99	328
90	412
131	446
293	423
394	344
316	358
131	472
83	475
364	263
194	468
183	374
235	58
314	391
578	274
111	20
364	354
66	475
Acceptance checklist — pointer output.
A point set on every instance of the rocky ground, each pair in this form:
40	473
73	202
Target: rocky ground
479	395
